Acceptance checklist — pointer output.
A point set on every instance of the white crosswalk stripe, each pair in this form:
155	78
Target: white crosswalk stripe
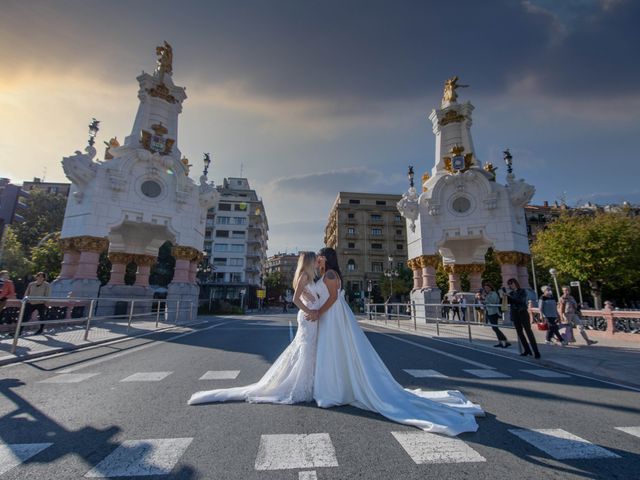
483	373
141	457
12	455
425	373
146	377
561	444
635	431
220	375
287	451
424	447
69	378
308	475
546	373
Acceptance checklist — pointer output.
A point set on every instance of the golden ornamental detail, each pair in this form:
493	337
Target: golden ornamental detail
144	260
508	258
181	252
451	117
429	261
525	259
145	140
460	268
68	245
425	177
162	91
488	167
450	87
457	150
120	258
91	244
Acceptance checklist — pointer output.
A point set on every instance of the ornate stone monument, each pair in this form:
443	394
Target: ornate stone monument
462	210
139	197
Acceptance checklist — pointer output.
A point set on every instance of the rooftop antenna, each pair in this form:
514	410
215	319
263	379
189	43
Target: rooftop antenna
241	169
44	173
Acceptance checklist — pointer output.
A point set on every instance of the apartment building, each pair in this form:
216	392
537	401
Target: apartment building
285	263
366	230
236	238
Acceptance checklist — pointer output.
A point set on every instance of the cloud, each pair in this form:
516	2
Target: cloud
329	182
601	198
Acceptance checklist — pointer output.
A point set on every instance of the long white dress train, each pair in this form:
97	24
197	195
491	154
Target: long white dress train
290	378
350	372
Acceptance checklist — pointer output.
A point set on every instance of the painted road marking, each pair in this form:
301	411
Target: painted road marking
12	455
424	447
635	431
308	475
69	378
483	373
425	373
146	377
141	457
546	373
562	445
220	375
280	452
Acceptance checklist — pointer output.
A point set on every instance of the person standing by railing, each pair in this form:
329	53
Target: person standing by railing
445	308
569	311
479	306
39	288
517	298
7	291
549	312
492	304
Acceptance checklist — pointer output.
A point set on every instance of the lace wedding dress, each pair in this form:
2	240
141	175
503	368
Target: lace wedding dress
290	378
350	372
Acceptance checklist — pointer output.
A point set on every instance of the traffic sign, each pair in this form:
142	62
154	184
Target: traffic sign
262	293
575	283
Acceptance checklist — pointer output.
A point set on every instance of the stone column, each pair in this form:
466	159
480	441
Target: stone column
508	265
454	277
144	263
70	258
119	261
414	265
90	249
184	257
475	276
429	263
523	270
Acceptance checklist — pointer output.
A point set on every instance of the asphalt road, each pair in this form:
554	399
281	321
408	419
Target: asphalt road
72	415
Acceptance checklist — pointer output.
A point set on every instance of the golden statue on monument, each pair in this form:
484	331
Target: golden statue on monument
165	58
450	86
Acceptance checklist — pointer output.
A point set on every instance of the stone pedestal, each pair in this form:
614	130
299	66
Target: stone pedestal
414	265
428	264
112	296
144	263
119	261
425	304
181	288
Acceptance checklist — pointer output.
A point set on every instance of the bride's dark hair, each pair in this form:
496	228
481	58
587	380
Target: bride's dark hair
332	260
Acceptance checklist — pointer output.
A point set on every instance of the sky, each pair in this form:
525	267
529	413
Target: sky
308	98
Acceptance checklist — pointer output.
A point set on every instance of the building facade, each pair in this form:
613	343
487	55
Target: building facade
366	230
59	188
236	238
284	263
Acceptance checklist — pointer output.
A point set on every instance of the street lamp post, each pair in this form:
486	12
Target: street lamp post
554	273
390	274
369	289
94	126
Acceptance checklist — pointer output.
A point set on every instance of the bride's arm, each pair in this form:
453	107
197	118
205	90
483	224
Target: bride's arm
304	280
332	281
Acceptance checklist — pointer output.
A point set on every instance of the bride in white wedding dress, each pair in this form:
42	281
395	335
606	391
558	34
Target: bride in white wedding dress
290	378
350	372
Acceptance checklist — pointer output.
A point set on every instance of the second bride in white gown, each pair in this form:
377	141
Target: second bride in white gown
290	378
350	372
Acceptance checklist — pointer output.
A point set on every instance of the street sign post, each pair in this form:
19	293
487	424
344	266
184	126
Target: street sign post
576	283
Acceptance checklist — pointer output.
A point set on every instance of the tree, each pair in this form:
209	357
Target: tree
162	271
601	251
402	284
13	258
43	216
47	256
275	284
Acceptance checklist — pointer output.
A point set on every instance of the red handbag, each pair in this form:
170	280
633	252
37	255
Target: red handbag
542	326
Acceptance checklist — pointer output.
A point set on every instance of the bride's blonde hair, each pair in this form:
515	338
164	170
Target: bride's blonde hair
306	264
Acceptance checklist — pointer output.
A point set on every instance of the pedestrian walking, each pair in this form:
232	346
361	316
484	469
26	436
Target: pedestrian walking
445	307
492	304
38	288
283	300
455	302
570	313
549	313
517	298
7	291
478	300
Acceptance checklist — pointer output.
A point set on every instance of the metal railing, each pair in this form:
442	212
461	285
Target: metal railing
92	311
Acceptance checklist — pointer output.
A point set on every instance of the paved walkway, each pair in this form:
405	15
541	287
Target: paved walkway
611	359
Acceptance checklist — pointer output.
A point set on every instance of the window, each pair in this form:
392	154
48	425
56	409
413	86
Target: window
224	207
223	220
236	248
380	202
219	261
235	277
218	276
220	247
151	188
351	231
351	265
239	221
351	215
240	207
398	231
376	267
376	232
397	218
376	246
353	201
376	217
222	233
236	262
399	246
237	234
351	245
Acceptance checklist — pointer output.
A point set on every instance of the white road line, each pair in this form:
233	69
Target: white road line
220	375
440	352
137	349
425	447
68	378
562	445
141	457
281	452
425	373
483	373
546	373
146	377
308	475
635	431
12	455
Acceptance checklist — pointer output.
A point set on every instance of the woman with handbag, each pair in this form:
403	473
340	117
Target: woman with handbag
549	313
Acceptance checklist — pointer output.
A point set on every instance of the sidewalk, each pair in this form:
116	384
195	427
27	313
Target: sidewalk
610	359
70	337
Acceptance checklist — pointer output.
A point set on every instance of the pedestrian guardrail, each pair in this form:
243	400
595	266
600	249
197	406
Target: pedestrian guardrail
91	312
